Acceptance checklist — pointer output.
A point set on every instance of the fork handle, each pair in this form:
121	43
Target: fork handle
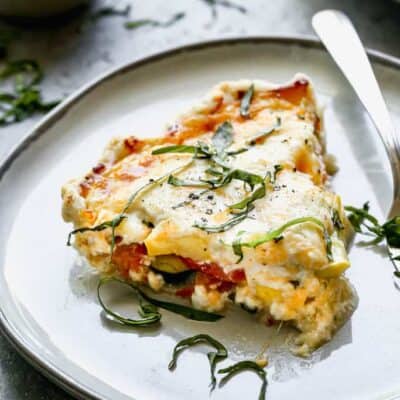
340	38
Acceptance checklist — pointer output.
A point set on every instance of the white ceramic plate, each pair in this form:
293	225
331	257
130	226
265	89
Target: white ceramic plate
47	300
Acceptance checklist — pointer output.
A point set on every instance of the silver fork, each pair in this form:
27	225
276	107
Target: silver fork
340	38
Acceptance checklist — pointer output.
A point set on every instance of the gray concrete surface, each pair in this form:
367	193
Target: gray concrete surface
74	51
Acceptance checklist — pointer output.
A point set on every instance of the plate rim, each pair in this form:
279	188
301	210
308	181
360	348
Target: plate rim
55	374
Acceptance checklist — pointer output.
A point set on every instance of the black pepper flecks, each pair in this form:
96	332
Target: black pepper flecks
295	283
148	224
194	196
209	211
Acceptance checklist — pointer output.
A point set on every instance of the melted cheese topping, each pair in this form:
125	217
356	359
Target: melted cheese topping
291	279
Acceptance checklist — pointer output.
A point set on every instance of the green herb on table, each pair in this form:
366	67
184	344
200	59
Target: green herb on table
149	313
155	23
213	356
27	72
213	4
110	12
238	244
26	99
246	366
246	101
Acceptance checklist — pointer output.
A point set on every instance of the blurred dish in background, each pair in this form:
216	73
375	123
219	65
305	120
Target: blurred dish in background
37	8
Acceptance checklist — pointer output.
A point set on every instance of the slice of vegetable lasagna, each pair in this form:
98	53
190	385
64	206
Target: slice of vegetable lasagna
230	205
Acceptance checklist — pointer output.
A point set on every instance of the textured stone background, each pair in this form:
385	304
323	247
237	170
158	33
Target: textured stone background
74	51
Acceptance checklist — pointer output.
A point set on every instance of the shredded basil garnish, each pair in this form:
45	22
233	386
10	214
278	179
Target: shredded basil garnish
246	101
223	137
213	356
184	311
104	225
221	174
174	181
155	23
245	366
272	177
236	219
261	136
177	149
277	233
246	205
147	311
227	177
216	151
259	193
336	220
